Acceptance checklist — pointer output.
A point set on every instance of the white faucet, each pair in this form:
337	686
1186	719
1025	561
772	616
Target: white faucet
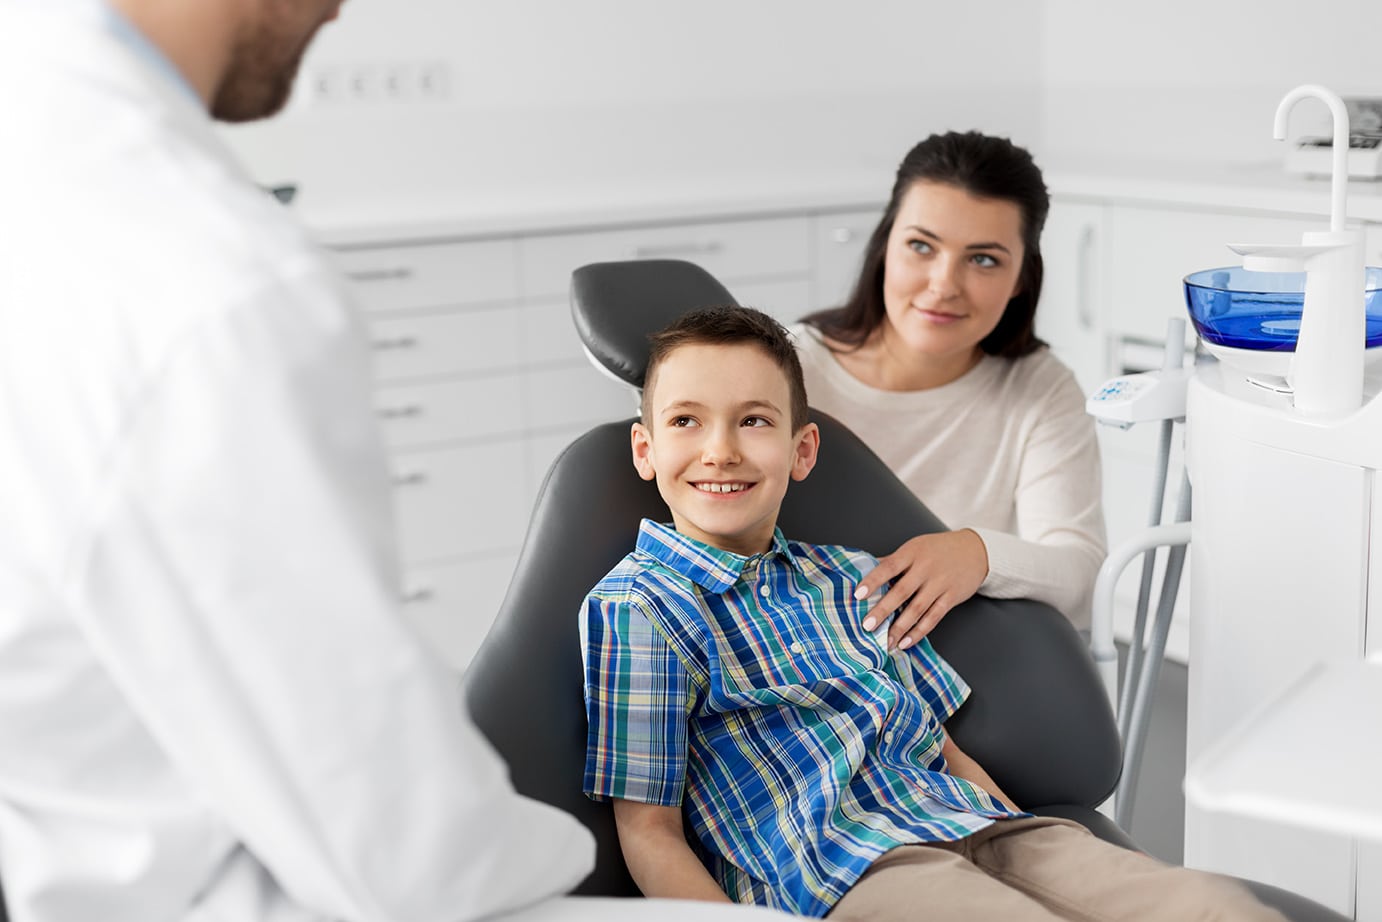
1326	376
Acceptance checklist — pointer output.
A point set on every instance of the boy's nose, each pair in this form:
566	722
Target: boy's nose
720	448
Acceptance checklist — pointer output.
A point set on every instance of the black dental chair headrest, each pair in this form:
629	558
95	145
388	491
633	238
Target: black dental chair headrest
617	305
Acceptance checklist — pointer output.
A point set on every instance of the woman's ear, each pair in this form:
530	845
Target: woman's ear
808	444
641	441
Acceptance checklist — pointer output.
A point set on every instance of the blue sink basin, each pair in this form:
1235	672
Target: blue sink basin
1260	311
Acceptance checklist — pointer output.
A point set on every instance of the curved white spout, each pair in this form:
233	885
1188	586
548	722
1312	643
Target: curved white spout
1338	190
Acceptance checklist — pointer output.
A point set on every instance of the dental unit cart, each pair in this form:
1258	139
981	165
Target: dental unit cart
1283	445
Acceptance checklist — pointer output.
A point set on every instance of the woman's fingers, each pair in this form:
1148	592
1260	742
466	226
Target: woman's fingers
910	624
937	610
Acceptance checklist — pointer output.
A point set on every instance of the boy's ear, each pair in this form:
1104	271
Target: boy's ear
808	444
641	441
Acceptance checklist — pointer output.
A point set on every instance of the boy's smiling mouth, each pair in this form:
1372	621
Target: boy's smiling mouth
712	486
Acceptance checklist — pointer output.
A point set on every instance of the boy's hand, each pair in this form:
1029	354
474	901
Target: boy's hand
937	572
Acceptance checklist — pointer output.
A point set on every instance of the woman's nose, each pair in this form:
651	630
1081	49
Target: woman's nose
944	280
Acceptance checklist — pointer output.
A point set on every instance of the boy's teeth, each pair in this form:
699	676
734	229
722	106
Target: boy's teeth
720	487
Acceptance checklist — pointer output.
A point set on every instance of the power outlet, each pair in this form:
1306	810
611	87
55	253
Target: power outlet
377	83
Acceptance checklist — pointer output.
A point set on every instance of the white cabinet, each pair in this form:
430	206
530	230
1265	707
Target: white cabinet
1073	314
838	240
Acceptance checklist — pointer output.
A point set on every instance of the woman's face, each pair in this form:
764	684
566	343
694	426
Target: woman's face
953	263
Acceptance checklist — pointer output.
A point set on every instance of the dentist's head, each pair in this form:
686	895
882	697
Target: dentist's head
240	56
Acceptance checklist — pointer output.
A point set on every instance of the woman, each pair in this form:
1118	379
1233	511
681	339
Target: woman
933	361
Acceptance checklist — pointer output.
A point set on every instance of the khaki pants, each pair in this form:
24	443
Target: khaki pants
1038	868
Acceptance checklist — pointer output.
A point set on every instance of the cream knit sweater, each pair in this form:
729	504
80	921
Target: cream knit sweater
1006	450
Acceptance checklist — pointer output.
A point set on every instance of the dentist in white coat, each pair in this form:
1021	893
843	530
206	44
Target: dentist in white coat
210	708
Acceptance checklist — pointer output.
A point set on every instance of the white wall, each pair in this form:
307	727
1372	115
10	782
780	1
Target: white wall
1197	80
553	91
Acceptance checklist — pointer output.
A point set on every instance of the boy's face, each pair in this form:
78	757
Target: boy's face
720	444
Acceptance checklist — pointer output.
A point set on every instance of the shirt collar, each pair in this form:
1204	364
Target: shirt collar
709	567
127	34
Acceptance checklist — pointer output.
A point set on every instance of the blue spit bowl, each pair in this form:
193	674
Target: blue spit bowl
1260	311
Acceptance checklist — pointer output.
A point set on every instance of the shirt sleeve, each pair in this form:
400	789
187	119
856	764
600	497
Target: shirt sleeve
1060	541
237	579
638	702
939	685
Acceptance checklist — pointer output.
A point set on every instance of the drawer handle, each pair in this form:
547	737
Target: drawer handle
395	274
404	412
842	235
1084	264
410	479
396	342
415	596
659	251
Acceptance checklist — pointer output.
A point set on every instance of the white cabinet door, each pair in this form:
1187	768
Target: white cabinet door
785	301
453	605
838	240
1073	313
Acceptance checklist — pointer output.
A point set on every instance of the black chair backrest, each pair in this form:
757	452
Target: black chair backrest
1038	719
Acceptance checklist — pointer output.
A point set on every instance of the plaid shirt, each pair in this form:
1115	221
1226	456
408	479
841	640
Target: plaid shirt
746	689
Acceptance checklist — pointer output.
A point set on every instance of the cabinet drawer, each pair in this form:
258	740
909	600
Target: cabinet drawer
454	502
728	250
437	344
453	605
549	334
419	414
432	275
838	242
575	395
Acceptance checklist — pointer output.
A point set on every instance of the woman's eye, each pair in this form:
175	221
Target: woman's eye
985	261
919	246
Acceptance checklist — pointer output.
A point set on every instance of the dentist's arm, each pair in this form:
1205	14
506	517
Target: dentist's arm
657	855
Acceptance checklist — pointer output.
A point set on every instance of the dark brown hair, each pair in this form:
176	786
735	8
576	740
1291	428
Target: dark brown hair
723	326
985	167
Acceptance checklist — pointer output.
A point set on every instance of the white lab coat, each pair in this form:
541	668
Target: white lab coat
209	705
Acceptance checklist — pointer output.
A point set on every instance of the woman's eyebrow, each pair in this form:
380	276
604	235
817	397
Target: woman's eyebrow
985	245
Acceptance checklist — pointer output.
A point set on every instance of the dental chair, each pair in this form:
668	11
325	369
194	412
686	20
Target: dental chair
1038	718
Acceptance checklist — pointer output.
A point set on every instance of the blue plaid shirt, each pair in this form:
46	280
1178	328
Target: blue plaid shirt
746	690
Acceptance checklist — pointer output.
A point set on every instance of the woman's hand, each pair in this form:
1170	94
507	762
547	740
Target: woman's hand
937	572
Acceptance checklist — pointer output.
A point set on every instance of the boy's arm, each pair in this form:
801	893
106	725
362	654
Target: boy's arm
962	766
658	856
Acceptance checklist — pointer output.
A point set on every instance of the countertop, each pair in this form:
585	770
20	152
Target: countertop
500	207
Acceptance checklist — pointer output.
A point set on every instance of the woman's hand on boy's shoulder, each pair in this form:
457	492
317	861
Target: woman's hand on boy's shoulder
930	575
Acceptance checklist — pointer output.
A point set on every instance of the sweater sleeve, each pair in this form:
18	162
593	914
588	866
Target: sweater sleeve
1060	542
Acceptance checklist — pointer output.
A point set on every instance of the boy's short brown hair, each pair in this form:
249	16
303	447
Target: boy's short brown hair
723	326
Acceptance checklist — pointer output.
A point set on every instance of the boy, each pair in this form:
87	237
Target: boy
727	674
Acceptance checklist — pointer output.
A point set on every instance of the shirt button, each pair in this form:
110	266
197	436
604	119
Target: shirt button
888	737
798	647
763	590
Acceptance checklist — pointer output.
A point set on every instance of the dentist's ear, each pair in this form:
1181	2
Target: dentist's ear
808	444
641	441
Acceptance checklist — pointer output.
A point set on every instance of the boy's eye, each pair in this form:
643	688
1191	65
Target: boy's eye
756	421
681	422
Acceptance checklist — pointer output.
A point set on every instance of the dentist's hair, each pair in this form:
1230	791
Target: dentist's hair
985	167
727	326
